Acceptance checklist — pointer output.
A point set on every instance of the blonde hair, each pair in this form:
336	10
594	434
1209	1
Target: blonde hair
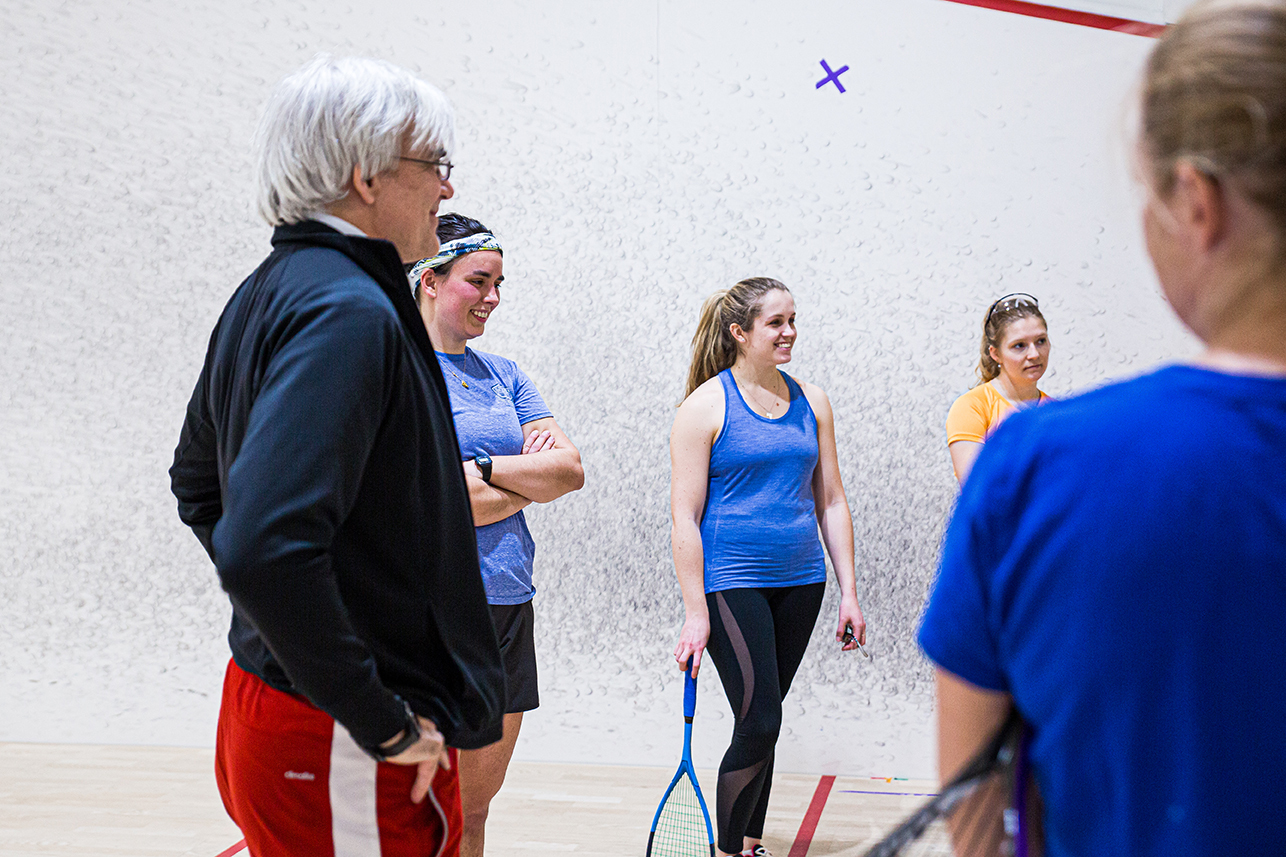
1214	94
713	347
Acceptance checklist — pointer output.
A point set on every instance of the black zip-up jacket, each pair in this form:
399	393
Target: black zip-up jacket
319	467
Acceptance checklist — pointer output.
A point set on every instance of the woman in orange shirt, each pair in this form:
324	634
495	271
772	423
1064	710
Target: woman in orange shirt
1015	352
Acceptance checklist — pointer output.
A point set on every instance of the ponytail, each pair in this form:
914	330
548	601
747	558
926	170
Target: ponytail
713	346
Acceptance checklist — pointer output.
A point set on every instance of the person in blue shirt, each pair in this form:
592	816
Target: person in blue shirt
514	454
1116	566
754	472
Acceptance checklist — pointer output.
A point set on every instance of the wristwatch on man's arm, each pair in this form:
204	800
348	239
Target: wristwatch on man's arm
410	734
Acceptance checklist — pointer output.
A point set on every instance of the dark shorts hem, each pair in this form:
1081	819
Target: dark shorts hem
515	628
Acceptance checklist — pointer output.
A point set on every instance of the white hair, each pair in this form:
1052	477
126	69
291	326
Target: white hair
337	113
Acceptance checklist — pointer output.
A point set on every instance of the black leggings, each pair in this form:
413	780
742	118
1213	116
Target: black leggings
757	639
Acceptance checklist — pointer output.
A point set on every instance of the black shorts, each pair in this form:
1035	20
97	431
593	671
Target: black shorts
514	629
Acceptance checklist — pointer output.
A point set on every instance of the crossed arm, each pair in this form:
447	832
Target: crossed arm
548	467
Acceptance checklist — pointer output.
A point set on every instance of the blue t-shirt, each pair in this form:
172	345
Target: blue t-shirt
759	525
489	415
1117	563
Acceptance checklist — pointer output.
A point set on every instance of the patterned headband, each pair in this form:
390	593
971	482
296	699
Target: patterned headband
451	249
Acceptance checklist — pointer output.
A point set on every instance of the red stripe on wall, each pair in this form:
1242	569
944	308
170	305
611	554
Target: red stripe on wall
235	849
808	826
1068	16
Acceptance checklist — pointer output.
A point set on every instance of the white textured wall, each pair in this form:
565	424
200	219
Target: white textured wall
634	157
1152	11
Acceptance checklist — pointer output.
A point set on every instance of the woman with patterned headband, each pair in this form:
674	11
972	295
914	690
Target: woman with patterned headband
1015	352
514	454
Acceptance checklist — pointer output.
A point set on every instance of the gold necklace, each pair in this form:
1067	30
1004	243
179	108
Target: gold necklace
775	397
463	383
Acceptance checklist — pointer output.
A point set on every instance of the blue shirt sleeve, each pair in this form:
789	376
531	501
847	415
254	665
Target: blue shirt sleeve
959	631
527	401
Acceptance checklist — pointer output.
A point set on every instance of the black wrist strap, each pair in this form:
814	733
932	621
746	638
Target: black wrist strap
410	734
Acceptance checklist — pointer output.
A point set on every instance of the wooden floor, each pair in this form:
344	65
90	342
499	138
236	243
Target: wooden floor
77	800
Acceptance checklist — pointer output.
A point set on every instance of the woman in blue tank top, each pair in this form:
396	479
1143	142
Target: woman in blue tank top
754	472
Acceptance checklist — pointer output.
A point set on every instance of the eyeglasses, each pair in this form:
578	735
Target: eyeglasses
443	167
1011	301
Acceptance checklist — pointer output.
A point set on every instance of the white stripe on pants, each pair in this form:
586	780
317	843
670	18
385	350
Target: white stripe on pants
355	826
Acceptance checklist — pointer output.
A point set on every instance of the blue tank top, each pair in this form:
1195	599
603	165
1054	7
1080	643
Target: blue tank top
759	525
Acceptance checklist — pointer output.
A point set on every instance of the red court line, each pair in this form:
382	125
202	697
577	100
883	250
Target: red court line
808	826
235	849
1068	16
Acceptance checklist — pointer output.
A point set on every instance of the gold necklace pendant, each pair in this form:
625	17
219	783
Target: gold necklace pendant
463	383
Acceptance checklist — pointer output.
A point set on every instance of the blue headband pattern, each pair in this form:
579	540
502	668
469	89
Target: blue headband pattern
451	249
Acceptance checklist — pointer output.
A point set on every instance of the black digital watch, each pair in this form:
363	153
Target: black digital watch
410	734
484	465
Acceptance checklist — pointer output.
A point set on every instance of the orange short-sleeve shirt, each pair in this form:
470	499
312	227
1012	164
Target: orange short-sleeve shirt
976	414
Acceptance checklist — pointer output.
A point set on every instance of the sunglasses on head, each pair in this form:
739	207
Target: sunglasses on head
1011	301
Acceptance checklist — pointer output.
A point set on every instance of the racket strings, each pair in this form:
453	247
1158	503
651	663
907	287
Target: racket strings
974	816
681	826
971	826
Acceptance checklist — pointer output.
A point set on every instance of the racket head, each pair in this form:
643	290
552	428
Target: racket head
972	825
681	826
974	815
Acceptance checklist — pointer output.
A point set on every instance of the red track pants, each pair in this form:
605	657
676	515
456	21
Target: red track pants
298	786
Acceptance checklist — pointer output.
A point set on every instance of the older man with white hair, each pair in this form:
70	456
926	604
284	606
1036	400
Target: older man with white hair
319	468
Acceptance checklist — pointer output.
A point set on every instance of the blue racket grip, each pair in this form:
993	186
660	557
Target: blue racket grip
689	694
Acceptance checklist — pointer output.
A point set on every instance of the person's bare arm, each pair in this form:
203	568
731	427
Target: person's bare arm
695	426
539	476
489	502
963	454
835	518
968	717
